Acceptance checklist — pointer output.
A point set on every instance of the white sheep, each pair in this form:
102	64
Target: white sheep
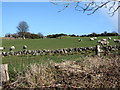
104	40
99	41
95	38
109	38
1	48
12	48
79	40
117	40
91	39
24	47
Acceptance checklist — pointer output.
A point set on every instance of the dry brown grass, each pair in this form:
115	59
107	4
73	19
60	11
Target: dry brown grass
92	72
39	75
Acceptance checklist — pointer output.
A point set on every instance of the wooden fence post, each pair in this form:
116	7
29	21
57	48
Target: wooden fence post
4	72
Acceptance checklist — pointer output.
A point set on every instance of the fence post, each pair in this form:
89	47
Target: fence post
98	50
4	72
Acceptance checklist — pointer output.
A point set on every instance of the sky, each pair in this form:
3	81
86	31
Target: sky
43	17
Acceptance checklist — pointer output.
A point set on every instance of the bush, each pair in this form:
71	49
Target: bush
34	36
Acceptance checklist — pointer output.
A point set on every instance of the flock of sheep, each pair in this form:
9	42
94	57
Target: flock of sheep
11	51
102	41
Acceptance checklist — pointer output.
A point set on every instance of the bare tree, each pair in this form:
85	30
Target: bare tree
22	28
92	6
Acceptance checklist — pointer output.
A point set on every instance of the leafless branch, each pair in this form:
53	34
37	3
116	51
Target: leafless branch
100	6
92	6
114	11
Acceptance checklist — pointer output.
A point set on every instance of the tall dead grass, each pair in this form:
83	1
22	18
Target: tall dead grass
92	72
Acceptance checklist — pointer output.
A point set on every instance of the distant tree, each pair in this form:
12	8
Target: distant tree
22	29
27	35
104	33
94	34
40	35
8	35
34	36
55	35
73	35
114	33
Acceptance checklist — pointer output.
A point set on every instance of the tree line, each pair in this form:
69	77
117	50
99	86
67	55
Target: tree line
29	35
102	34
23	28
89	35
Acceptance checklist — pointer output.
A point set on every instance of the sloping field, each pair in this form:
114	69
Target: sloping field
65	42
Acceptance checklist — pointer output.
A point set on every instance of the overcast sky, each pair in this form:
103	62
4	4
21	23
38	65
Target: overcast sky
44	17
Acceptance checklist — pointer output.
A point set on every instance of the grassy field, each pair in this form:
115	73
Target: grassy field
65	42
19	63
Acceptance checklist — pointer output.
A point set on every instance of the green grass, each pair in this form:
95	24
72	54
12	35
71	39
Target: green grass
65	42
19	63
20	60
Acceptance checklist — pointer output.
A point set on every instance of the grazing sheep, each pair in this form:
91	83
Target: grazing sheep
79	40
95	38
91	39
109	38
1	48
117	40
12	48
99	41
24	47
4	53
104	40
